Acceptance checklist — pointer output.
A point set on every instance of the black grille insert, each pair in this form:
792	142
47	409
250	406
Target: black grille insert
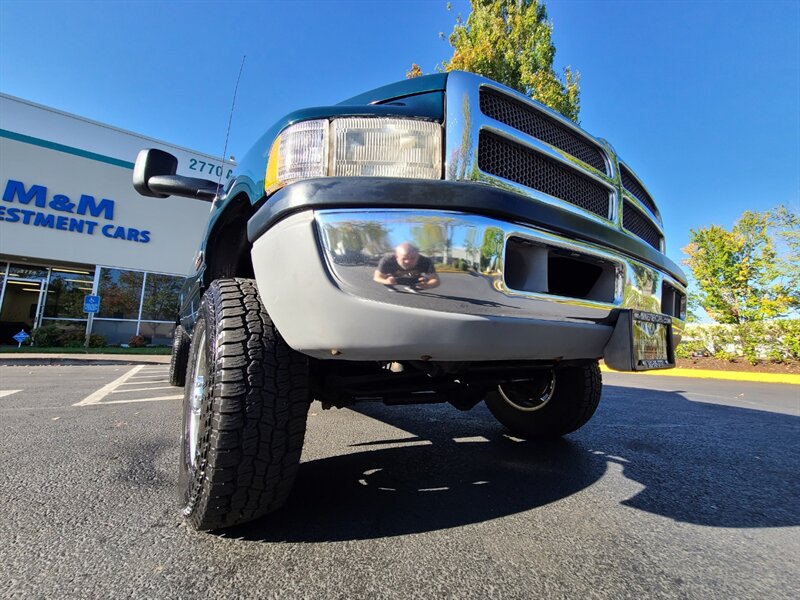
638	225
527	119
504	158
541	269
673	301
634	187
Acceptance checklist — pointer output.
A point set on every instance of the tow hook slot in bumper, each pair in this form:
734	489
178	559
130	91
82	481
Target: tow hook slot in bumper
641	341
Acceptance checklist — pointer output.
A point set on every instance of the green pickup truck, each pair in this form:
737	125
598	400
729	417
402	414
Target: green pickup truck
440	239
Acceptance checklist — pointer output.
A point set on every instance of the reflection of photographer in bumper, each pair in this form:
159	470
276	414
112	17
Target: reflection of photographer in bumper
406	267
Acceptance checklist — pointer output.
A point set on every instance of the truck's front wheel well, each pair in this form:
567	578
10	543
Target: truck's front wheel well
227	251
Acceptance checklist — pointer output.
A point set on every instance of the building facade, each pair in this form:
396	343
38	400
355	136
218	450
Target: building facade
72	225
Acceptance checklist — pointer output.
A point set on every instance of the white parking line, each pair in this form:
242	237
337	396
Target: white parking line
135	377
4	393
104	391
176	397
145	389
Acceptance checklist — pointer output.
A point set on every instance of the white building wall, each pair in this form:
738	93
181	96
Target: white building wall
73	157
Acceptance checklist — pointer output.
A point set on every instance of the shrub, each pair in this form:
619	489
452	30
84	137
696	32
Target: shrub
775	356
97	340
789	334
723	355
750	355
749	337
137	341
777	340
691	348
48	336
74	338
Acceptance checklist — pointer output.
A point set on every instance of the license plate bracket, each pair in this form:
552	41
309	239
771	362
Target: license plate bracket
641	341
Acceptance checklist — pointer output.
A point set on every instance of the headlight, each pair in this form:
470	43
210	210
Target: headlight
355	147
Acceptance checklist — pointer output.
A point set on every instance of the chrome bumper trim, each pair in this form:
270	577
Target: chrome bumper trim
478	274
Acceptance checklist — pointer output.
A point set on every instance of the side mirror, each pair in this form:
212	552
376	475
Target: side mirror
154	176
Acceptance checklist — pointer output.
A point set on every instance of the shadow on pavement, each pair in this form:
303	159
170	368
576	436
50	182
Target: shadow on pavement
376	493
699	463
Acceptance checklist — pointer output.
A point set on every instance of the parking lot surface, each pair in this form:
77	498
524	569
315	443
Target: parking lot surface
678	488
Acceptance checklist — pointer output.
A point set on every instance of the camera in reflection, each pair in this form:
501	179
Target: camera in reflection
407	270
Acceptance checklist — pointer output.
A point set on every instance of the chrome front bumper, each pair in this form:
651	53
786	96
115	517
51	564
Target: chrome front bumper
507	291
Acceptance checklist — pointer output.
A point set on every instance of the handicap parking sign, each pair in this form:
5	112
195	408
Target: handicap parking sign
91	304
21	337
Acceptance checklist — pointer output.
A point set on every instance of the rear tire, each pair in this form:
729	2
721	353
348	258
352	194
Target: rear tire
180	357
245	407
562	402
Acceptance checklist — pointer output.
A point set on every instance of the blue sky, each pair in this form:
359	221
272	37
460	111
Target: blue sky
702	99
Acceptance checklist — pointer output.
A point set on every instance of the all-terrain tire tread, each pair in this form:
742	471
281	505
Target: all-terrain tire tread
590	399
180	357
256	420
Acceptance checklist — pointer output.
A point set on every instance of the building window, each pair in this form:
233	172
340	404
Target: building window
136	303
27	271
115	332
65	293
120	293
131	302
157	334
161	293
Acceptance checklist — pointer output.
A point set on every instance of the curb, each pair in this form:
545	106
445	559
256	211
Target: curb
34	360
788	378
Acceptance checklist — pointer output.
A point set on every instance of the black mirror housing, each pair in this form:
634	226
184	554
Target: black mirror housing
154	176
149	163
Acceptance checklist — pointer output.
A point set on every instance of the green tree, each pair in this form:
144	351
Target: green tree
347	237
414	71
692	306
510	41
491	248
120	293
161	294
470	246
738	272
785	228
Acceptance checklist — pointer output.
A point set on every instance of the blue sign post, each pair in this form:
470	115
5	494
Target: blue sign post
21	337
91	304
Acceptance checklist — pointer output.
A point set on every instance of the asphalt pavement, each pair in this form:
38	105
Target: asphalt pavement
678	488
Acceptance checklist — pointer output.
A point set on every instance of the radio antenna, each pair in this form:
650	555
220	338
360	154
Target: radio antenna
230	120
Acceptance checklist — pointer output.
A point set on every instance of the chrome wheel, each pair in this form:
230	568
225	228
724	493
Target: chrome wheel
195	404
553	403
529	396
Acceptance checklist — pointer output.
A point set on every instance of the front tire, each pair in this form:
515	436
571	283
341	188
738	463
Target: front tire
245	407
180	357
563	401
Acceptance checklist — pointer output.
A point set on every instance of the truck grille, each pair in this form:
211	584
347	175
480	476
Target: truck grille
633	187
504	158
537	124
638	225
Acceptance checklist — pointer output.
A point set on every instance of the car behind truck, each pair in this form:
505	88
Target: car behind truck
440	239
